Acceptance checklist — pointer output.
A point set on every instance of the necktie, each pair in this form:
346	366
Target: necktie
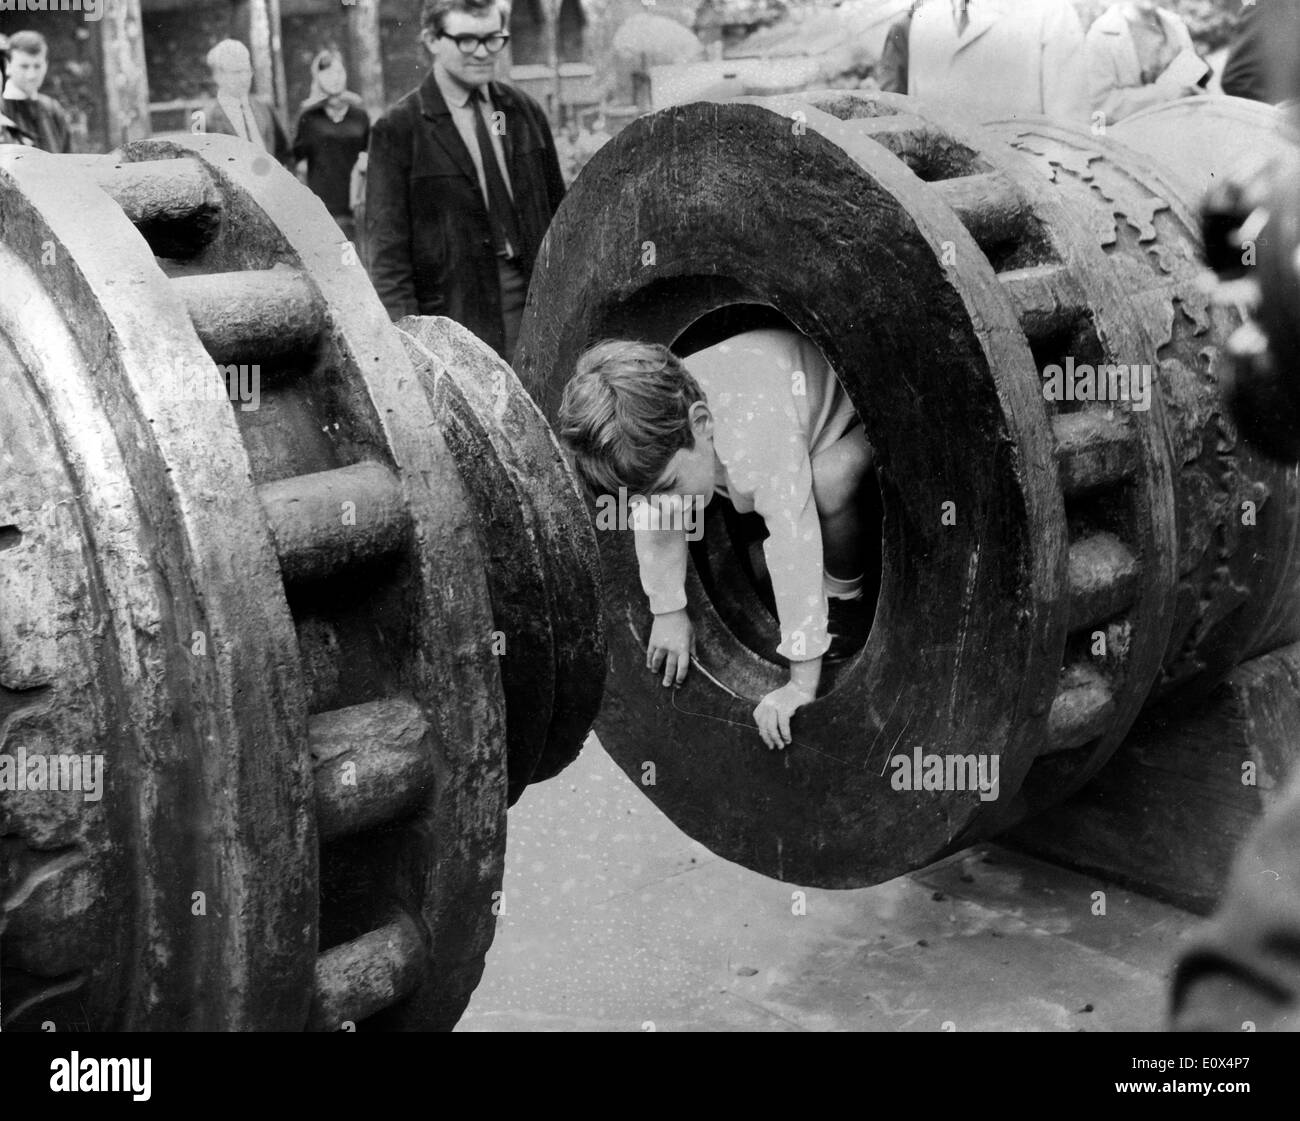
963	16
501	211
250	126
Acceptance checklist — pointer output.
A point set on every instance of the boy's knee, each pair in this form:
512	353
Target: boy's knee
838	472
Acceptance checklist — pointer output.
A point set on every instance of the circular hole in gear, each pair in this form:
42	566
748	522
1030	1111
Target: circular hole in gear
729	555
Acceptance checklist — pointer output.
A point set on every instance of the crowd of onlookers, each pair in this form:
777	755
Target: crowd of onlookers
1002	58
327	148
448	193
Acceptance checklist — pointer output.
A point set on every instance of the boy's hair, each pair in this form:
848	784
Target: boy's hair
28	42
625	414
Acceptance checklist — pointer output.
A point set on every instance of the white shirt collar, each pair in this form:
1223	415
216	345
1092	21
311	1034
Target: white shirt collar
13	93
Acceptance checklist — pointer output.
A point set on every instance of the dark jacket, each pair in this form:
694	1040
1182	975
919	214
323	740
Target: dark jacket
891	72
1262	62
42	120
274	135
331	149
12	133
427	229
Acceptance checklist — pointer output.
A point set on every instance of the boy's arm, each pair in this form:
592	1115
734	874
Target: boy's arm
661	554
793	551
794	560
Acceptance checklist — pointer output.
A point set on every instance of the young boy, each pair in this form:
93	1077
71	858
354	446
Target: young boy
762	420
30	111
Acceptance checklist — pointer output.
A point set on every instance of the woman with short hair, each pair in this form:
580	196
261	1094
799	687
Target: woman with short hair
333	131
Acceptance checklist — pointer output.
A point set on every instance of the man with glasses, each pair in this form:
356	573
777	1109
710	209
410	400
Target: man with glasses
463	180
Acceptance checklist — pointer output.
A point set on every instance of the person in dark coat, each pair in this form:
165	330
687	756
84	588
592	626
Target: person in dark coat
235	111
333	131
32	117
460	189
1249	71
892	71
10	131
13	133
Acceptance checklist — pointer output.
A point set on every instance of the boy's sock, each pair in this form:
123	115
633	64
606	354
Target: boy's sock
836	588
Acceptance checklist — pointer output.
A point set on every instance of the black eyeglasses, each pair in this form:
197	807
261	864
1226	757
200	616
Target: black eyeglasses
468	44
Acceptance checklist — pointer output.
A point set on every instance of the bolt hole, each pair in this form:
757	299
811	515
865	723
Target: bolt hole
10	537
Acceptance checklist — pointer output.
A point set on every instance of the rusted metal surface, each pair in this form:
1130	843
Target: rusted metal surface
269	614
543	566
145	624
1100	555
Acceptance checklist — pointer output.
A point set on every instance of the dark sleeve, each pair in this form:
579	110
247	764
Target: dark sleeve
388	215
1245	968
1245	74
302	140
893	57
283	149
60	128
550	162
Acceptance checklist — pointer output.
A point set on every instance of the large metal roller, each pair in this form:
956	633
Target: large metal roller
1093	557
256	591
543	567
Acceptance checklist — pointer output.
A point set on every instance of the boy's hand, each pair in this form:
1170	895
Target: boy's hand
775	710
672	642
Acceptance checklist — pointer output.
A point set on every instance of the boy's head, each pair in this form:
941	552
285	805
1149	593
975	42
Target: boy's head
28	61
634	417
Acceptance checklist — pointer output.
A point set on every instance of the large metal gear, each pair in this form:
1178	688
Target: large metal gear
274	624
1095	555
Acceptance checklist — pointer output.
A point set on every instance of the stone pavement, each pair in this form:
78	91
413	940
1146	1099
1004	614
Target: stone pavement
616	921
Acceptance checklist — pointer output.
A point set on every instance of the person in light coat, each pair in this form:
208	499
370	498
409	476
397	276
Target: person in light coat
1129	47
994	59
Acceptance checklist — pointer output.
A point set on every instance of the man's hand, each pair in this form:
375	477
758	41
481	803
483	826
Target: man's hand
672	642
775	710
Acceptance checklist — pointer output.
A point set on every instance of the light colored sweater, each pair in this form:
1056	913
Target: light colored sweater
776	404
